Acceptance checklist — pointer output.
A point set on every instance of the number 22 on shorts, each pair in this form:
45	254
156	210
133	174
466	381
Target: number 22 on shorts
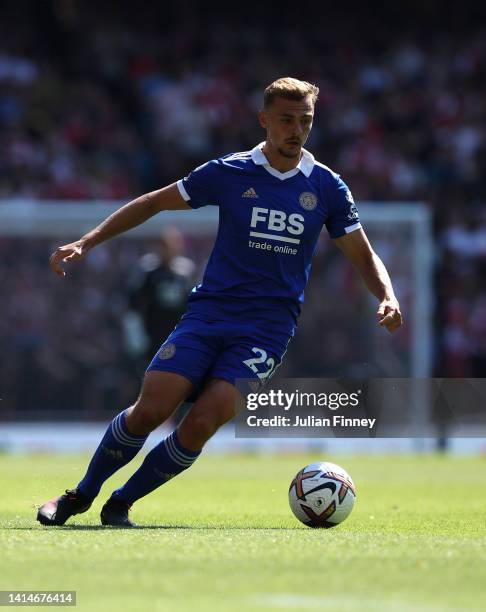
255	363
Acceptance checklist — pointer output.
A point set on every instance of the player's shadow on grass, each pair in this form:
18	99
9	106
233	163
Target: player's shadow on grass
188	527
141	527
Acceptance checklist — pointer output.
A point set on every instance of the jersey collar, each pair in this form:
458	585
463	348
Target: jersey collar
305	165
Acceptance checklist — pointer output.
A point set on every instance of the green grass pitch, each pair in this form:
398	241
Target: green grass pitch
221	537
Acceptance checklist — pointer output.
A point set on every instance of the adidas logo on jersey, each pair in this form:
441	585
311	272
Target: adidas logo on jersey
249	193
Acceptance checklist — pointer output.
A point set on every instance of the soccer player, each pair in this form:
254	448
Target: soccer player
158	293
273	202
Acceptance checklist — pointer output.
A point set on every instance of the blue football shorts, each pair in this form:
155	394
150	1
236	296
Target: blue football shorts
199	349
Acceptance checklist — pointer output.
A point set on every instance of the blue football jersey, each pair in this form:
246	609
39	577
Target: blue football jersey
269	224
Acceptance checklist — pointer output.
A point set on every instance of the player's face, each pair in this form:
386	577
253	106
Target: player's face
288	124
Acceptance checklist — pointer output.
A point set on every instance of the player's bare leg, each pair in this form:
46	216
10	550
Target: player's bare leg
214	407
161	394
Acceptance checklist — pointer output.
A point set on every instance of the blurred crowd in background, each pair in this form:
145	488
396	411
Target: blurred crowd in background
80	344
107	101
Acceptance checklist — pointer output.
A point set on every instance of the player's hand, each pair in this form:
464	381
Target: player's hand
67	254
389	314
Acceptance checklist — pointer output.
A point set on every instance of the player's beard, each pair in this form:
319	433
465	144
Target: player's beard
290	155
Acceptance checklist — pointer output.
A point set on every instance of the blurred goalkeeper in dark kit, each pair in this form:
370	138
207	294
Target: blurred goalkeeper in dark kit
158	294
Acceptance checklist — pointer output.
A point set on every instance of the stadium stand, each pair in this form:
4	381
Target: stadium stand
98	103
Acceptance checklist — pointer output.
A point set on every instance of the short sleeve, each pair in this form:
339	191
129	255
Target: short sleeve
202	186
343	213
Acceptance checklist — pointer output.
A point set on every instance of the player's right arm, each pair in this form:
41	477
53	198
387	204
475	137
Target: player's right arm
125	218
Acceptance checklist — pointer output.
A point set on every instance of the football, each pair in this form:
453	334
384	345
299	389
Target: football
322	495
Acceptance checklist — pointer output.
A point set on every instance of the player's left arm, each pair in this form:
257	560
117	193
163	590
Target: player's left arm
357	248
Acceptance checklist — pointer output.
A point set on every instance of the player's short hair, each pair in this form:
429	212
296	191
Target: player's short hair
290	89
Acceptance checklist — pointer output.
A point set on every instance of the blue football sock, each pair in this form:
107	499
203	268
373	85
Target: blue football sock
163	462
116	449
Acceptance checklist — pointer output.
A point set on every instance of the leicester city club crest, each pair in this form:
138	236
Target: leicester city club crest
167	351
307	200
